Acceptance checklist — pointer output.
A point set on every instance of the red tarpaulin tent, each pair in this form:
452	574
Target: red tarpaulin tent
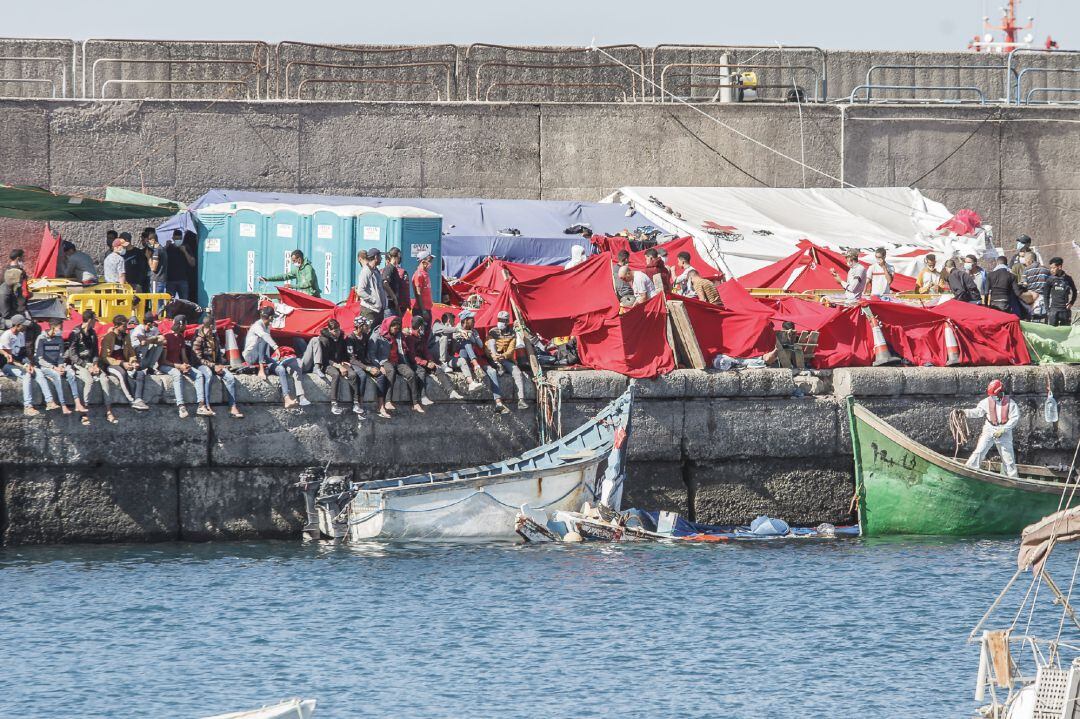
808	269
743	332
986	336
633	343
570	301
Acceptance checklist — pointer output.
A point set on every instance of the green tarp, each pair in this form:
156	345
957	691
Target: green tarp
36	203
119	194
1050	345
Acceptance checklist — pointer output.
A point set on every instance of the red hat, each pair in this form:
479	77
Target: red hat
994	388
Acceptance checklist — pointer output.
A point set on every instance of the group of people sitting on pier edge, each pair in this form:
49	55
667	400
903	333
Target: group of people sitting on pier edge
394	338
119	355
1019	284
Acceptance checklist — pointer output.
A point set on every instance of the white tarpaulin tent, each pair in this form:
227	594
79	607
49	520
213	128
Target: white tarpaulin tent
741	229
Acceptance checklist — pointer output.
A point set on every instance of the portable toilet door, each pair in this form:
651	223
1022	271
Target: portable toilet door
286	234
332	255
416	236
246	250
213	229
371	230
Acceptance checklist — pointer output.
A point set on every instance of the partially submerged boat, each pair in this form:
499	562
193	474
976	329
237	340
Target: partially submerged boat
289	709
634	525
903	487
479	503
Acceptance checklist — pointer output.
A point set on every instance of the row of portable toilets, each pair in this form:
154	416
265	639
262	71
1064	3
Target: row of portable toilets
242	241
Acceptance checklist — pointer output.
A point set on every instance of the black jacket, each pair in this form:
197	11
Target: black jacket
1003	286
1059	291
963	286
358	350
82	347
333	348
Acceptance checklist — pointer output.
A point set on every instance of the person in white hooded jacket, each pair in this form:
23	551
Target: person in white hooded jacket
577	256
1002	415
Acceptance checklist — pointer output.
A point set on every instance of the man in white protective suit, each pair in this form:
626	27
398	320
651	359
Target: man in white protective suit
1001	414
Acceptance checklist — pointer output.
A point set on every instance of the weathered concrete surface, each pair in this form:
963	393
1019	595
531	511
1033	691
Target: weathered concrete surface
721	447
105	504
1018	168
802	491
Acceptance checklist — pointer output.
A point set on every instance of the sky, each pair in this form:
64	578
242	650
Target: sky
830	24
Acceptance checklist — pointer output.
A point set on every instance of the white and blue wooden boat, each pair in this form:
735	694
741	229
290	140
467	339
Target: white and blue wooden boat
482	503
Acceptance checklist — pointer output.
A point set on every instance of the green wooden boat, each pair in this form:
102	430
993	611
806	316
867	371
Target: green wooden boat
906	488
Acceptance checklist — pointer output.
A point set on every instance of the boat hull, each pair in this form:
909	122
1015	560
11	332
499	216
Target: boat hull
906	488
480	509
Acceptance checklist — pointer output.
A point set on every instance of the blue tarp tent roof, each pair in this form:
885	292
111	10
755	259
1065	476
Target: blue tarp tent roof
471	227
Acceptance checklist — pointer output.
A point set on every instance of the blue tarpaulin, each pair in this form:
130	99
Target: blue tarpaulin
473	229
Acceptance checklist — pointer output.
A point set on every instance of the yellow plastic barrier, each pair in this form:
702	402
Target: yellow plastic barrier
110	303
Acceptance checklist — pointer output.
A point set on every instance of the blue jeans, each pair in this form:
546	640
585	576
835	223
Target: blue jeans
53	374
178	386
259	354
177	288
489	372
152	286
228	379
283	369
28	389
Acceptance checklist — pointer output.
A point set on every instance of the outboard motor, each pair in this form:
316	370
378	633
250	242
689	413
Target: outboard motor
333	500
311	480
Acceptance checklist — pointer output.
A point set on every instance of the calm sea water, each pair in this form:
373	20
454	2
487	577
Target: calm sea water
853	628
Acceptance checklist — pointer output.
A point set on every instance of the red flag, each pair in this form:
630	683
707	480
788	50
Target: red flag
48	254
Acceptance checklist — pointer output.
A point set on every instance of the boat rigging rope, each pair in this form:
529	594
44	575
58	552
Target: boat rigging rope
958	426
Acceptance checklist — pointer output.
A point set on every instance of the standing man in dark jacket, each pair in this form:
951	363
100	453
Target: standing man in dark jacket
1059	294
136	264
1004	289
396	282
963	286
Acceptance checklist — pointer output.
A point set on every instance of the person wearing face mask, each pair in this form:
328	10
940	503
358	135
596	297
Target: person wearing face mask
881	274
114	268
855	283
303	277
502	350
929	278
962	284
1023	244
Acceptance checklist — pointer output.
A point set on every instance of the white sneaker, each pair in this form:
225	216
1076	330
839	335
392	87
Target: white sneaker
474	385
140	405
357	409
454	394
335	408
180	410
522	404
304	401
425	401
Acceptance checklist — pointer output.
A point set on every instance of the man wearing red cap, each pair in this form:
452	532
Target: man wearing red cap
1001	414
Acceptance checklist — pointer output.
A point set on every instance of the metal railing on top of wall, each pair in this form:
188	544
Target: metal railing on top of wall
36	67
254	70
238	63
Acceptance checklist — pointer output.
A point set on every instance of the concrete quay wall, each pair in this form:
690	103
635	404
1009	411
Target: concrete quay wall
1016	166
721	447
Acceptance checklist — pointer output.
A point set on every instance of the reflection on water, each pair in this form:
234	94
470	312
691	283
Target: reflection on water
780	629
